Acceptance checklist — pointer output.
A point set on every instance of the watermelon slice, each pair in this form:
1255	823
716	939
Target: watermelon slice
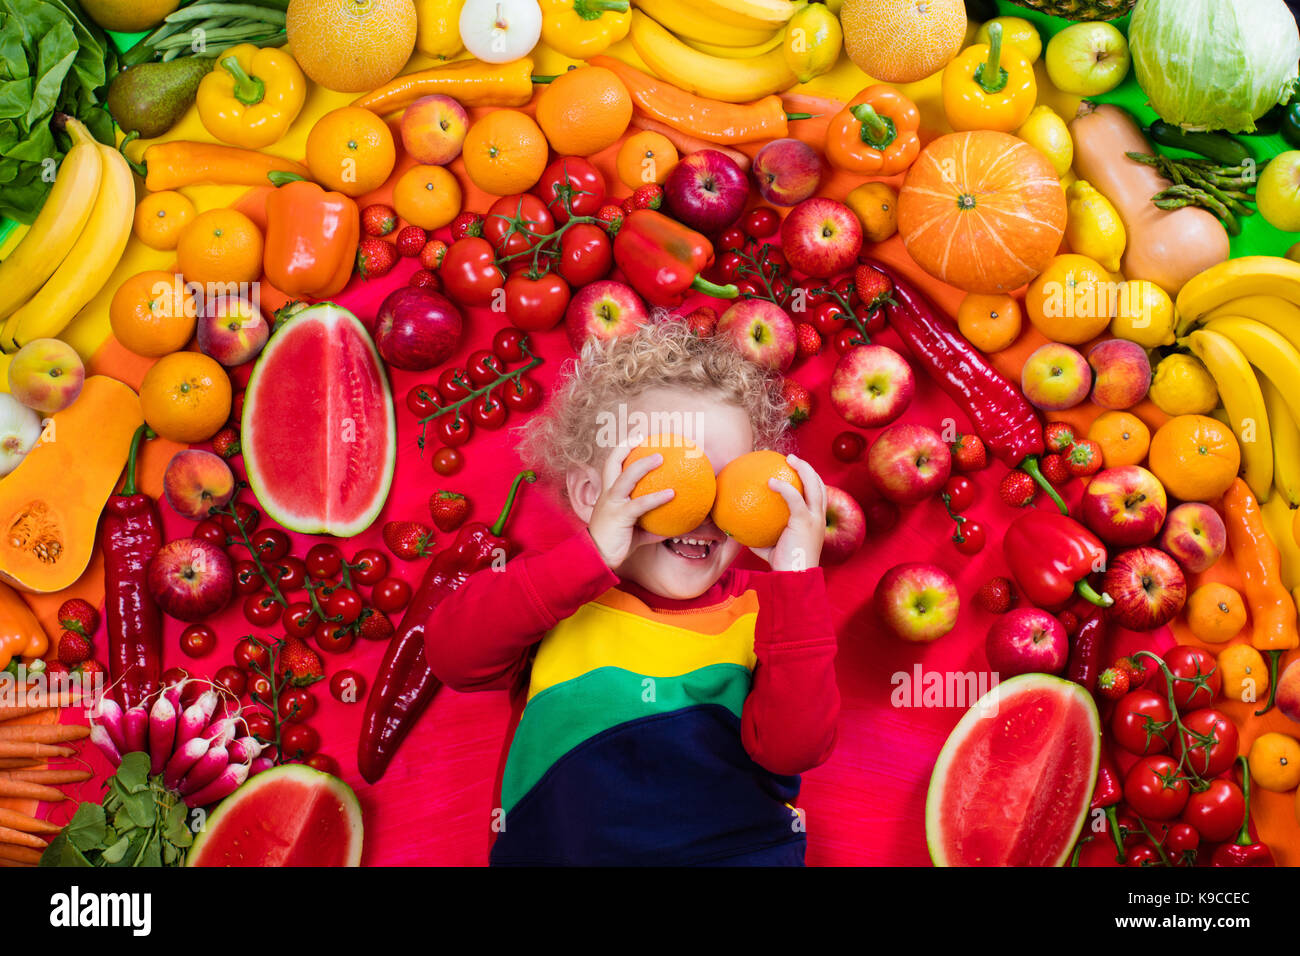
1013	783
286	816
319	433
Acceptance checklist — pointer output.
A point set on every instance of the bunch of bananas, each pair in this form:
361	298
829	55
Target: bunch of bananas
74	245
735	50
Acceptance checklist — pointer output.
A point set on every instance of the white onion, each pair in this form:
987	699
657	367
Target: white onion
20	427
498	31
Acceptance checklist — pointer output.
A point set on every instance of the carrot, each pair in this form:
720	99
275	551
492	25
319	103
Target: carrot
17	763
468	82
50	777
30	791
15	864
21	839
21	821
19	854
183	163
10	748
686	143
43	733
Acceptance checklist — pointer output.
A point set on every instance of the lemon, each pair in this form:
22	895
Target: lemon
1047	133
1093	227
1144	314
812	41
129	16
1182	386
1016	32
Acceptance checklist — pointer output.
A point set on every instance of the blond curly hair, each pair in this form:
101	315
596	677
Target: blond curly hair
659	354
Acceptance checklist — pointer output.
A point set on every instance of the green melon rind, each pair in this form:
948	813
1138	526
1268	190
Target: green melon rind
1003	691
253	787
269	504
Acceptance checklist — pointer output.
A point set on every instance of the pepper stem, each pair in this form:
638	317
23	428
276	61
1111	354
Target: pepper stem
592	9
876	131
279	177
801	116
249	90
701	284
500	525
1112	816
1089	594
1030	467
140	169
142	434
1243	838
1273	657
992	67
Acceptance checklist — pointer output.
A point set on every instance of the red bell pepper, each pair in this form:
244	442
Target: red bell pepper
662	259
1244	851
1051	556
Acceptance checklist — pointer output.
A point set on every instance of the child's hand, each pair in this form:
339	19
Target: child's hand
800	544
613	519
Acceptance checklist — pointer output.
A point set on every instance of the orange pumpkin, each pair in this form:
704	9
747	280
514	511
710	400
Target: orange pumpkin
981	210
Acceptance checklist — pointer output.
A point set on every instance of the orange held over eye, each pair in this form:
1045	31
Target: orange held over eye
686	470
185	397
584	110
351	150
505	153
746	508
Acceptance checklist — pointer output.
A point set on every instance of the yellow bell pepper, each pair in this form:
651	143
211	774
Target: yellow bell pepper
989	86
583	28
251	96
21	635
437	27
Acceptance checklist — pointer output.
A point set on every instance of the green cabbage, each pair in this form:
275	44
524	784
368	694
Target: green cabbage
1214	64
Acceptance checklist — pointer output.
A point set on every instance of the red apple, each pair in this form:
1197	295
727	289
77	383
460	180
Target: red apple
196	480
1026	640
871	386
706	190
761	331
821	237
846	526
190	578
787	171
917	602
1125	505
1148	589
603	310
908	463
881	514
417	329
1195	536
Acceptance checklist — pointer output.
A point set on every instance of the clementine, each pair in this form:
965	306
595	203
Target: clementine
1244	674
351	150
427	196
746	508
645	157
161	217
1195	457
219	246
1216	613
686	470
505	153
1275	761
1070	300
185	397
584	111
152	313
989	322
1124	438
876	206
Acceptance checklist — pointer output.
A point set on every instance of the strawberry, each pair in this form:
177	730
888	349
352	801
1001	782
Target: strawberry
373	625
74	648
378	219
1059	437
237	402
996	596
226	442
408	540
798	402
968	453
1112	683
375	258
300	662
627	207
411	241
424	279
79	616
1083	458
1137	673
872	287
432	253
1054	470
649	196
610	216
703	321
89	671
809	342
448	509
1017	489
55	671
466	224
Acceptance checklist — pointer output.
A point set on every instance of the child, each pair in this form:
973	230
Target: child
664	704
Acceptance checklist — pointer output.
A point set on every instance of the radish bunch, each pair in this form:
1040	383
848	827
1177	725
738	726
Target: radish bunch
194	747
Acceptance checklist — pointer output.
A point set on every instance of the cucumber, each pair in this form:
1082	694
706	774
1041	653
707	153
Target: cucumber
1219	147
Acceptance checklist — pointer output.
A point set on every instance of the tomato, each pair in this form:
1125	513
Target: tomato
747	288
448	461
299	740
324	561
536	305
232	679
297	704
247	580
347	687
1155	788
390	594
571	183
516	224
212	531
422	400
333	638
259	688
760	222
973	537
522	394
780	289
848	446
248	517
369	566
345	604
829	317
732	240
585	254
488	411
1141	722
1216	812
509	344
845	339
270	544
261	610
469	272
729	266
960	491
1210	741
1197	680
484	367
299	620
1144	854
1180	840
454	384
454	428
292	573
249	654
260	725
875	321
324	763
198	640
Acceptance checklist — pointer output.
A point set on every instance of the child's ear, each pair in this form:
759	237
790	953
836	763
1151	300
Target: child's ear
584	487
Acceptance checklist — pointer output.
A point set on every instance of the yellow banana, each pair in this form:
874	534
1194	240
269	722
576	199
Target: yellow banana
87	266
688	22
736	52
1249	275
1278	516
733	81
748	13
1244	402
1286	443
1278	314
58	224
1268	351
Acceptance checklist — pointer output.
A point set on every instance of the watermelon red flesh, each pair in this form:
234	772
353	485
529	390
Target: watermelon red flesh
1012	788
319	432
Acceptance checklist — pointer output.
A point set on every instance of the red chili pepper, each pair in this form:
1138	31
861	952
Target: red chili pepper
1244	851
405	684
663	259
132	536
1085	651
999	413
1051	556
1106	796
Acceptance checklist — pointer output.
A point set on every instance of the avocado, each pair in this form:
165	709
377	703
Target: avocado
150	98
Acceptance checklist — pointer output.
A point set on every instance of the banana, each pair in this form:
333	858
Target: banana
1278	314
1278	516
688	22
1268	351
88	264
1249	275
748	13
733	81
1244	402
58	224
1286	443
736	52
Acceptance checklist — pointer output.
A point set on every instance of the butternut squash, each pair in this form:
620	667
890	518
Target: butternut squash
1167	247
50	504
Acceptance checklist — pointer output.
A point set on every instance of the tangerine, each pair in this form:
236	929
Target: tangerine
161	217
989	322
1124	438
505	153
1275	762
876	206
645	157
220	246
351	150
1070	300
686	470
427	196
185	397
1244	674
746	508
1195	457
584	111
153	313
1216	614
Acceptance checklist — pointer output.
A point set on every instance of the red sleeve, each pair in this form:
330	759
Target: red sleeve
789	722
479	637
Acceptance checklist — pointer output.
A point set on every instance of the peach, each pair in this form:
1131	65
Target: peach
232	330
1194	536
196	480
47	375
1288	691
1121	373
433	129
788	171
1055	377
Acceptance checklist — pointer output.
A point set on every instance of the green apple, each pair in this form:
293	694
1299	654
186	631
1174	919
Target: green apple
1278	192
1087	59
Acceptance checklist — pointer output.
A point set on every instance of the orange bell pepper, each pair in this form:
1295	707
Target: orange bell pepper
21	635
876	134
311	239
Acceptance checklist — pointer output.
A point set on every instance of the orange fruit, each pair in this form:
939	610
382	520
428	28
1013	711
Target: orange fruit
505	153
902	41
153	313
1215	613
1069	301
1244	674
220	245
876	206
686	470
1275	762
161	217
989	322
645	157
584	110
1195	457
351	46
1124	438
427	196
746	508
185	397
351	150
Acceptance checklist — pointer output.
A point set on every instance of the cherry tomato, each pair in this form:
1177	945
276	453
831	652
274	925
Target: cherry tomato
212	531
270	544
846	290
829	317
1140	723
536	305
454	428
780	289
730	265
247	580
1144	854
324	763
732	240
1155	788
448	461
845	339
297	704
333	638
522	394
875	321
1197	680
776	257
571	183
1210	741
484	367
454	384
760	222
299	620
973	537
198	640
174	675
488	412
249	654
516	224
469	272
585	254
248	517
348	687
848	446
509	344
390	594
261	610
747	288
299	740
1217	811
345	604
960	491
259	688
422	400
292	573
369	566
260	725
1181	838
324	561
232	679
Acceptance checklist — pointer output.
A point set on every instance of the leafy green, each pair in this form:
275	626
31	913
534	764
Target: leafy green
52	60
